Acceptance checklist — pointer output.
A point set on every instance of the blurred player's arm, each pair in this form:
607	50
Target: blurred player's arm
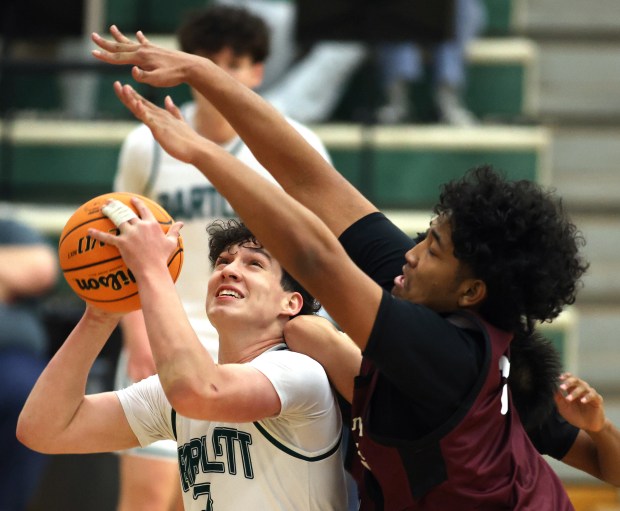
26	270
299	169
58	417
140	363
596	449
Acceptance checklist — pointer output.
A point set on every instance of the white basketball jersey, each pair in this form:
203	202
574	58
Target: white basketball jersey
290	462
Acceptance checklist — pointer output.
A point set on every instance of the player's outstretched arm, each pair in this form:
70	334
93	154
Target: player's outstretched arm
294	235
597	447
58	417
300	170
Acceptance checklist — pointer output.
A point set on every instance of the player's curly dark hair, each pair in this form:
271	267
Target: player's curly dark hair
516	237
224	234
211	29
535	367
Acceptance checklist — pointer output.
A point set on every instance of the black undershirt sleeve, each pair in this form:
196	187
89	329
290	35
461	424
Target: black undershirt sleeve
378	247
554	437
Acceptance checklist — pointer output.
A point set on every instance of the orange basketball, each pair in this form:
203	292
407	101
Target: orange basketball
96	271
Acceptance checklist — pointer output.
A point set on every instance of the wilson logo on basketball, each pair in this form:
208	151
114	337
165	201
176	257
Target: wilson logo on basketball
115	281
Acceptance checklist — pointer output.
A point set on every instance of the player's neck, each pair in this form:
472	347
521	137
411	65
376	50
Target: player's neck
239	352
209	123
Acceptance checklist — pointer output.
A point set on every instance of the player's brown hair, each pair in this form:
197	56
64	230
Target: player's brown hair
220	26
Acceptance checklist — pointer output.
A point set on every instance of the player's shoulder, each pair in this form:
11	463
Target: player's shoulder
300	382
290	361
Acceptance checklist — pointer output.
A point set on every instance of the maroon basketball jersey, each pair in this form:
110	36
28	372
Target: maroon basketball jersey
481	458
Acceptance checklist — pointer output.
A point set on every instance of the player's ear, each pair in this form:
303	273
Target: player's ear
293	303
473	293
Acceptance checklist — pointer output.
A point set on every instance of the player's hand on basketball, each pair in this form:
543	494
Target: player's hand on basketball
141	242
157	66
580	404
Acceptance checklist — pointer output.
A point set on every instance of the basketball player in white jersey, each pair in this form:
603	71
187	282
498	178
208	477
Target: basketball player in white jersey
238	42
259	430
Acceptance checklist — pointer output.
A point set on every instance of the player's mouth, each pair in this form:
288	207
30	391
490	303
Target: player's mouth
227	292
399	285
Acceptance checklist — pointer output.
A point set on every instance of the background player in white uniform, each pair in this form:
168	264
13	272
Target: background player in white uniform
259	430
238	42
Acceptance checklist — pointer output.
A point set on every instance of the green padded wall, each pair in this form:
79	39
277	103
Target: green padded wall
58	174
397	167
150	16
409	179
499	17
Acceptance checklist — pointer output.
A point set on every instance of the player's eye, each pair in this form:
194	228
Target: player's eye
221	261
420	237
256	262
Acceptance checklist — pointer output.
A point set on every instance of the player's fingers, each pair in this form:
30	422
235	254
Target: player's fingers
568	381
175	230
575	393
104	237
114	52
572	387
126	94
118	212
118	90
579	390
144	212
589	395
141	37
172	108
138	74
154	77
118	35
132	100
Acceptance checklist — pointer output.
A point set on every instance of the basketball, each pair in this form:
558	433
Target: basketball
96	271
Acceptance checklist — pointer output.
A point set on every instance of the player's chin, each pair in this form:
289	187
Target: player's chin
222	309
